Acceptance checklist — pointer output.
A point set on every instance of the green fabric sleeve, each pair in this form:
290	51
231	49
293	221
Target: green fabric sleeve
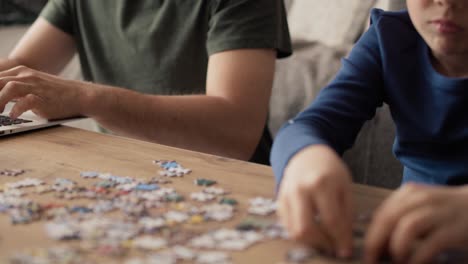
247	24
59	14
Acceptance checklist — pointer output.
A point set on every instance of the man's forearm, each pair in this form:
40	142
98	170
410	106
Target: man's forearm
228	120
197	122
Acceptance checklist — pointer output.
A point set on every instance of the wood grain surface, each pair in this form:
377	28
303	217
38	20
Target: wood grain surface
64	152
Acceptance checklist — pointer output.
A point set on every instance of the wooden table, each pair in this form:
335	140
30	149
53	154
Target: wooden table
64	152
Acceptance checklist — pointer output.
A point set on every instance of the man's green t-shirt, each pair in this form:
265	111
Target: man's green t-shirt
163	46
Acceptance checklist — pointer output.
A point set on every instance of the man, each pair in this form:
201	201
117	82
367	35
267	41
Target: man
190	74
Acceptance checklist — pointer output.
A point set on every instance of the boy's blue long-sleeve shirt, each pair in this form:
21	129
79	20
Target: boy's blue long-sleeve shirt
391	63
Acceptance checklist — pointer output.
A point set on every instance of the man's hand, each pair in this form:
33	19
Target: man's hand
418	222
43	49
46	95
315	200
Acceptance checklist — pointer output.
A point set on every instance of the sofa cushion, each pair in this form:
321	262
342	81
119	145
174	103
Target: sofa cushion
371	159
332	23
299	78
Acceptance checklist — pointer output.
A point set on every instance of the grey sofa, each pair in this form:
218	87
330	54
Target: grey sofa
314	63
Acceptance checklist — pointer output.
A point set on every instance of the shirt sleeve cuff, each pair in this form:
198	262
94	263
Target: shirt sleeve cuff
291	139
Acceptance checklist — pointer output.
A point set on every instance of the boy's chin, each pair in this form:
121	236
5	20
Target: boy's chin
449	48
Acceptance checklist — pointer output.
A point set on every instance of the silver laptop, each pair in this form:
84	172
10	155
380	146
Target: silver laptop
27	121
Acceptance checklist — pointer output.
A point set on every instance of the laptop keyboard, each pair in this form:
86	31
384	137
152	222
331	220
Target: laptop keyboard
7	121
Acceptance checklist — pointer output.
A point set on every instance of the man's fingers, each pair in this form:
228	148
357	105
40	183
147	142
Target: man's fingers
335	221
13	90
15	71
26	103
5	80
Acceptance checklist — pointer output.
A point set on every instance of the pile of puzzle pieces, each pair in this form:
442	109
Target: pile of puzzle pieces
124	215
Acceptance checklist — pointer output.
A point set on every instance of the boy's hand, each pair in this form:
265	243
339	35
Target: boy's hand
315	200
418	222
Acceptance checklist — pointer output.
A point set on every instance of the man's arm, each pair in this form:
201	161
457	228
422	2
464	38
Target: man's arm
227	121
6	64
44	48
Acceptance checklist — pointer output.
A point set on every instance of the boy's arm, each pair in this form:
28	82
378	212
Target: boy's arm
44	47
314	185
335	117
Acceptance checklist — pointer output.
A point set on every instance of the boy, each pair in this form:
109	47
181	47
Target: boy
201	71
415	62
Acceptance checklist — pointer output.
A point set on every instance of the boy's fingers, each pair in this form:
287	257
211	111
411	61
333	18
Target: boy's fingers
438	241
283	212
304	225
407	199
411	228
346	248
378	234
335	223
